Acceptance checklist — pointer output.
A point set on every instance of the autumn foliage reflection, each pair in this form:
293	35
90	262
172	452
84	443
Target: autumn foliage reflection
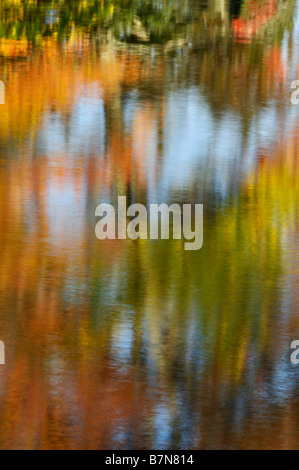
128	344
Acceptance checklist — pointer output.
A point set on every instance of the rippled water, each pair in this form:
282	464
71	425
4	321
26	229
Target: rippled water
140	344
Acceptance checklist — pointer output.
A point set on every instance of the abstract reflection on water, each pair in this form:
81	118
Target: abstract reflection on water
131	345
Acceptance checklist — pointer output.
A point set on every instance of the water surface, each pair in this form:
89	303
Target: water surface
140	344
